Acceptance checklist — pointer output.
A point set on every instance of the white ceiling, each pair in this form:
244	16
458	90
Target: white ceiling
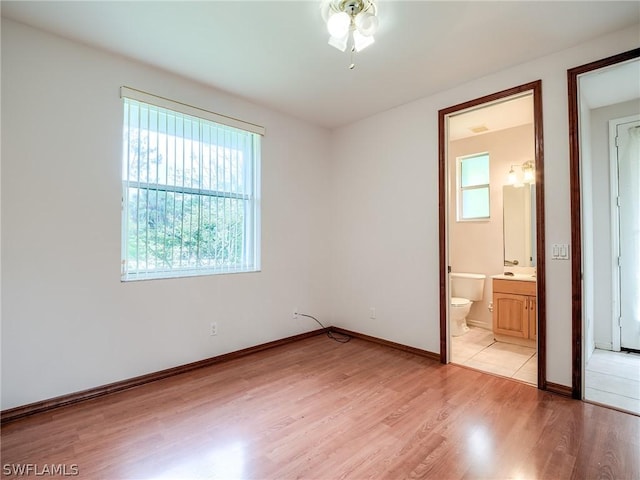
512	112
608	86
275	53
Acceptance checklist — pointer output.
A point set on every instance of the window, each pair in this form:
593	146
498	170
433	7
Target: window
190	191
473	187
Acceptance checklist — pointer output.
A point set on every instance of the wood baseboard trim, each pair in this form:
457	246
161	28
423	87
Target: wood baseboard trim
388	343
16	413
558	389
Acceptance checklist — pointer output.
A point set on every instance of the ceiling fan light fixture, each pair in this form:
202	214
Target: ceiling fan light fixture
350	22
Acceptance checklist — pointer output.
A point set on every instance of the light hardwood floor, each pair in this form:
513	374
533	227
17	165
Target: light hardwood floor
613	378
477	349
322	410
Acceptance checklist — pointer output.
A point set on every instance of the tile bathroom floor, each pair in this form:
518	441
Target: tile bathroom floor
477	349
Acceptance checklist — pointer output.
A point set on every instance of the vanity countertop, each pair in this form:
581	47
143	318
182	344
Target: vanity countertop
520	277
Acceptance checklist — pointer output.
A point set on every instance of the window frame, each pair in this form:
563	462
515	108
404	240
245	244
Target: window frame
460	189
250	195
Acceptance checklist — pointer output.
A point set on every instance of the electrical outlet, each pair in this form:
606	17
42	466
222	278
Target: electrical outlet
372	313
295	312
214	329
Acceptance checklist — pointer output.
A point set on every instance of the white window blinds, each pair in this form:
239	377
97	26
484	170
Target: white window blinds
190	191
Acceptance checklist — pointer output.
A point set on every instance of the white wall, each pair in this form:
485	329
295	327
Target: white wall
385	227
385	186
478	247
68	323
600	191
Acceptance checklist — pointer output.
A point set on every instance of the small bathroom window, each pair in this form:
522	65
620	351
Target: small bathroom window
473	187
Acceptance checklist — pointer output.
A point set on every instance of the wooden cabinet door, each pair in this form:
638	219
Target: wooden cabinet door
511	314
533	318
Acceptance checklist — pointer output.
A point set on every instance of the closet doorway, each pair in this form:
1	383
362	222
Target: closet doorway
604	113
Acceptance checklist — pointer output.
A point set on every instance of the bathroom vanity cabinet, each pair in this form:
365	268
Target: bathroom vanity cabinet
514	311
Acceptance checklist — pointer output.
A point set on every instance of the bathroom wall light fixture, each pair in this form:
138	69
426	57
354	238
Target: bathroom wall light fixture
354	20
528	174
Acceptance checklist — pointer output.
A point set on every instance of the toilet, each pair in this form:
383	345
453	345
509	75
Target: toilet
466	288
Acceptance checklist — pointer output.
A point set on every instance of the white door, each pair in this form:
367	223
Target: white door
628	153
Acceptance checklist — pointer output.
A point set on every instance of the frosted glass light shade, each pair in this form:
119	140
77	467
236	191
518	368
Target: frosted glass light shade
528	174
339	43
366	23
338	24
360	42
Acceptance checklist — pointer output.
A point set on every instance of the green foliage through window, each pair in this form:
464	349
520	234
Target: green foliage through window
190	204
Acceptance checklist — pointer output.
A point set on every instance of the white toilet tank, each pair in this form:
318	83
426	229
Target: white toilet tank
468	285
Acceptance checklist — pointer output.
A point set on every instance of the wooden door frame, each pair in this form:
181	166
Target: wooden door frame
536	88
576	207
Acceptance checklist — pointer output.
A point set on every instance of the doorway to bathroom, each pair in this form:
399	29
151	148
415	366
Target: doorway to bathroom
492	225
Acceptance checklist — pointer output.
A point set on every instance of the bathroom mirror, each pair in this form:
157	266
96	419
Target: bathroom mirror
519	220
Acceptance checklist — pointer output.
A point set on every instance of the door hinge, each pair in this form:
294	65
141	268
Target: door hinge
616	141
618	200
